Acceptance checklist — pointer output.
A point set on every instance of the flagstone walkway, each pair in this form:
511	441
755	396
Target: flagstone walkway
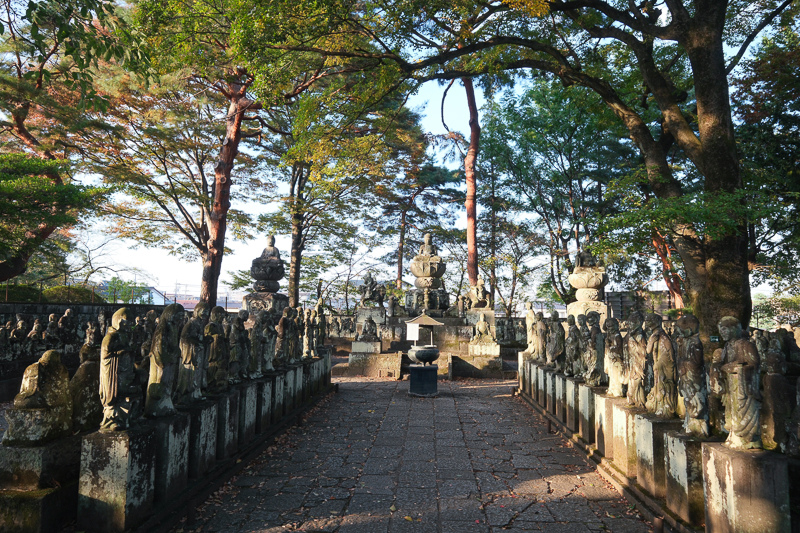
372	459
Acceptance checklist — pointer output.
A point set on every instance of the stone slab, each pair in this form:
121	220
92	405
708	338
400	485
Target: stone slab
117	480
550	392
522	370
375	365
40	467
624	439
298	386
365	347
586	413
264	405
172	455
684	466
604	424
541	385
571	404
533	379
203	419
248	409
650	434
485	350
288	388
423	381
560	396
278	407
38	511
227	424
746	491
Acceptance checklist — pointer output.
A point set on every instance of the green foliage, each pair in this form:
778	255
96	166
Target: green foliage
72	294
120	291
20	293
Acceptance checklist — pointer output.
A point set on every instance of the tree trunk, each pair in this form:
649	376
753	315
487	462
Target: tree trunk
218	217
469	171
296	257
400	251
671	277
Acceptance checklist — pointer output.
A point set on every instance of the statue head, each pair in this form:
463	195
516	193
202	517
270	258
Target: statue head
611	325
173	313
50	357
635	320
554	316
570	320
529	306
151	315
52	317
592	318
483	318
687	325
119	319
270	241
729	328
218	314
539	316
427	238
201	311
68	312
652	321
243	314
582	320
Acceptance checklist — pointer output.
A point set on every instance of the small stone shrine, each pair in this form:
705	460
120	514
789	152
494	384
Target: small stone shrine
429	293
423	376
267	269
588	278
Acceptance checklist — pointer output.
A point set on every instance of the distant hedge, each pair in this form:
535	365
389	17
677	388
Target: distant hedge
20	293
70	295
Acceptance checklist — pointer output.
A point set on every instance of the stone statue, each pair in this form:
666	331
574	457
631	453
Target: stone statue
52	337
268	269
102	321
478	296
483	332
542	332
371	291
43	408
258	342
19	333
323	321
427	248
36	336
530	320
741	367
308	334
391	307
68	328
574	348
239	341
297	334
119	391
594	355
369	331
218	352
84	388
270	338
585	259
776	405
193	355
692	376
614	359
149	328
556	343
663	398
637	357
282	344
165	357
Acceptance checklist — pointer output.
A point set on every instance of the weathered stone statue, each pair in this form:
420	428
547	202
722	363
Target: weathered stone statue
594	354
193	355
270	338
68	328
102	321
165	358
478	296
218	352
84	388
323	321
239	340
483	332
36	336
542	332
741	366
149	328
371	291
776	405
614	364
52	337
119	391
692	376
268	269
308	334
258	343
530	320
574	348
283	342
19	333
663	398
297	337
637	357
43	408
555	343
717	394
369	331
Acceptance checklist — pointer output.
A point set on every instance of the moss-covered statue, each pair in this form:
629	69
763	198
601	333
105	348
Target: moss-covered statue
635	345
692	376
663	398
741	367
614	359
193	355
165	358
218	352
119	392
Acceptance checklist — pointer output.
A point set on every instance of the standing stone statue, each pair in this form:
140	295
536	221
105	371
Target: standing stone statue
239	341
119	391
663	398
299	330
218	352
692	376
594	353
776	405
165	357
574	348
308	334
530	320
717	394
84	388
542	332
637	357
258	343
323	321
369	331
741	366
193	355
614	364
282	343
555	343
52	337
270	338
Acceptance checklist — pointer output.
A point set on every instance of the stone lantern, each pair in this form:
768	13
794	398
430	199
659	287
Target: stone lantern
588	278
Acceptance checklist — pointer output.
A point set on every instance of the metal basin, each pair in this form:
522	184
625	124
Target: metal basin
424	355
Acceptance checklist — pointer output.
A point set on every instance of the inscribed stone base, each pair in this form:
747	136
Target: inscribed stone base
582	308
40	467
561	398
365	347
33	427
624	440
117	479
248	407
278	383
38	511
265	301
288	388
384	365
746	491
423	381
203	418
227	424
530	377
264	405
684	468
550	392
650	432
522	368
586	413
485	350
298	386
571	404
172	455
604	424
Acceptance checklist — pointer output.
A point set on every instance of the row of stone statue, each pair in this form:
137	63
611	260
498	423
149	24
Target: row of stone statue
667	376
18	336
149	367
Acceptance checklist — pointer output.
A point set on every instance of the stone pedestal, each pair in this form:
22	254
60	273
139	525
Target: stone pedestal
203	419
278	384
571	404
298	386
684	468
560	398
365	347
530	376
288	389
33	427
172	455
248	408
624	440
227	424
550	392
380	365
265	301
651	449
264	404
541	386
484	350
604	424
586	413
423	381
746	491
522	368
117	479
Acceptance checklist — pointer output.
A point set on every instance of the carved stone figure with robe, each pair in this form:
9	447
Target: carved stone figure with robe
614	364
283	341
165	359
193	355
741	367
218	352
257	345
595	349
542	332
663	398
483	332
239	340
119	391
556	343
323	322
692	376
530	320
270	338
574	348
637	357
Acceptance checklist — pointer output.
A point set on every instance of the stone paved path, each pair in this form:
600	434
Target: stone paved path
372	459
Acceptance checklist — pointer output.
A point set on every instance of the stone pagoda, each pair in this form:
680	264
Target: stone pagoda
267	270
429	293
588	278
